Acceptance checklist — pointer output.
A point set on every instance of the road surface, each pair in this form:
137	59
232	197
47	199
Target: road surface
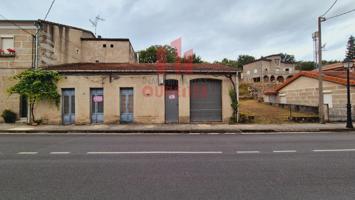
284	166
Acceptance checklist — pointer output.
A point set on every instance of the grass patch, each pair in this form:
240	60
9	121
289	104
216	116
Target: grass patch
267	114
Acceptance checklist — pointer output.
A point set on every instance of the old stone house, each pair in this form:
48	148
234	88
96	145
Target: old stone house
141	93
26	44
269	69
103	83
302	89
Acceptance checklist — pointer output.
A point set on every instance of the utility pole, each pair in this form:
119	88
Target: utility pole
320	77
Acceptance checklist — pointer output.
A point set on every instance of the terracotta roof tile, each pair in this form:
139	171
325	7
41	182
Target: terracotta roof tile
333	67
143	68
338	77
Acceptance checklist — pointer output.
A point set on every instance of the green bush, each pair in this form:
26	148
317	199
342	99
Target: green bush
9	116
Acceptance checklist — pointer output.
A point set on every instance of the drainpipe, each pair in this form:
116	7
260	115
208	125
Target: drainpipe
237	91
37	45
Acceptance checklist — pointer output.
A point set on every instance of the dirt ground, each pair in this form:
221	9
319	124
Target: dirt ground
267	114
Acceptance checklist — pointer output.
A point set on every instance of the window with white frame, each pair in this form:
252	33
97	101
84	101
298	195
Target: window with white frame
7	42
248	72
255	71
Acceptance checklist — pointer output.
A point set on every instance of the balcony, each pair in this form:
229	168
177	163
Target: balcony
7	53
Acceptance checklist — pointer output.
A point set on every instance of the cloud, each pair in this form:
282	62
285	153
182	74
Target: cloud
214	29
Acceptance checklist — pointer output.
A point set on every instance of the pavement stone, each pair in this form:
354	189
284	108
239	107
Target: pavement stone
174	128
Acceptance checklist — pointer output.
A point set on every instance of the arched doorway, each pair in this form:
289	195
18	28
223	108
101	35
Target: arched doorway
272	78
280	79
266	78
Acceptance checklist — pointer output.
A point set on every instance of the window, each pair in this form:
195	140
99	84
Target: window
328	98
287	69
255	71
104	45
248	72
277	61
7	42
111	45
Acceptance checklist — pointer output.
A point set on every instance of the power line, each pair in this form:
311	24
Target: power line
341	14
13	23
326	12
49	10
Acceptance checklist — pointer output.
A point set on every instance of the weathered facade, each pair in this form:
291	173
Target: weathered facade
107	50
26	44
22	41
269	69
141	93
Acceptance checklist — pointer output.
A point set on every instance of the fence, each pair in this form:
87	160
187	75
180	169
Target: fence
337	113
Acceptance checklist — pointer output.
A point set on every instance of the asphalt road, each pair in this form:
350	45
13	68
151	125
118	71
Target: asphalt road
297	166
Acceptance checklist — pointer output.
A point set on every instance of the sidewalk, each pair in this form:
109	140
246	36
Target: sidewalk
172	128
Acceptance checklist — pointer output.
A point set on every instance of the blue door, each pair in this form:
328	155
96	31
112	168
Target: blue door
68	106
126	105
97	105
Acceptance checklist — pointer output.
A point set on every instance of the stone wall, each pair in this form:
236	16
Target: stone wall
60	44
268	71
10	66
102	51
304	91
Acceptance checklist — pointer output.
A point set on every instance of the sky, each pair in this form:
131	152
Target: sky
214	29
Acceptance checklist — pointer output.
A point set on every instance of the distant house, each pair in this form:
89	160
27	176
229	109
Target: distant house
269	69
302	89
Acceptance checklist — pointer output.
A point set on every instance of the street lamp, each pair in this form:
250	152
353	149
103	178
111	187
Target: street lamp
347	65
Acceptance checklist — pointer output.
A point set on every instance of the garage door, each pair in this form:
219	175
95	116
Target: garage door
205	100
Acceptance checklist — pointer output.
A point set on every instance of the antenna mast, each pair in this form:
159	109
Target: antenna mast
96	21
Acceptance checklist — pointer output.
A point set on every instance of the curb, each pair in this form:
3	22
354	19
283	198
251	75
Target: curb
176	132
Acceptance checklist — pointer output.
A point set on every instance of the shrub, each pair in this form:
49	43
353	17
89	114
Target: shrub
9	116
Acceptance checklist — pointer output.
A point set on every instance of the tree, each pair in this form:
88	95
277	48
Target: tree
244	59
350	53
231	63
37	85
158	53
310	65
165	54
306	65
287	58
192	59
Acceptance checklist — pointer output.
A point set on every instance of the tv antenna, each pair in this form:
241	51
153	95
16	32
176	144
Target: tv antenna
96	21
